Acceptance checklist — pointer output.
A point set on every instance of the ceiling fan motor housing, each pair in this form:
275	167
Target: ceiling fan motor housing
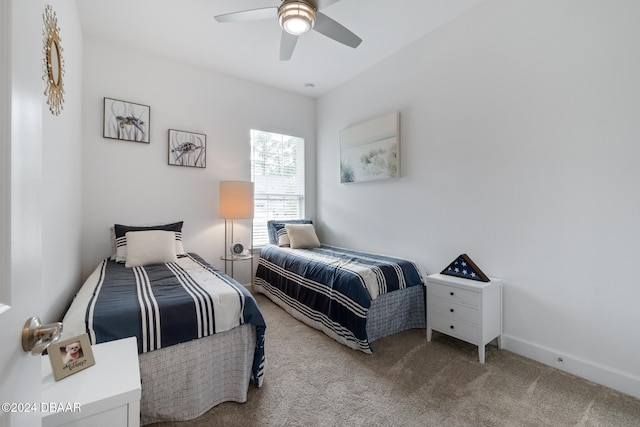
296	17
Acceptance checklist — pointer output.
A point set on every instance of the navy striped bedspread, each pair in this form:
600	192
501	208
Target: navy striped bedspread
167	304
334	286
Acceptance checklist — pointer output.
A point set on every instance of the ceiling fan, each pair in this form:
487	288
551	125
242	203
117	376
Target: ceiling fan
297	17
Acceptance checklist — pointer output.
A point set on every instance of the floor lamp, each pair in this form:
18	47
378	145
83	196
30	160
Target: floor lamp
236	202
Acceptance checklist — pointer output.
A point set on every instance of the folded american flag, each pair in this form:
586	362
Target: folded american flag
465	268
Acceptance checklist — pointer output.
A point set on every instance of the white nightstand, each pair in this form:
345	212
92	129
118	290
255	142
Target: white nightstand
465	309
107	393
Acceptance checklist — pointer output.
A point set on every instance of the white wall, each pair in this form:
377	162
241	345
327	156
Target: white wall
62	174
131	183
519	146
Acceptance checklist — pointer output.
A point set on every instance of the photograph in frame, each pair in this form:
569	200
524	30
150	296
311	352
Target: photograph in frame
187	149
126	121
70	356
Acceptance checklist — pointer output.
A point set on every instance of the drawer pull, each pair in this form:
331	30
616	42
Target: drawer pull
452	327
451	310
451	293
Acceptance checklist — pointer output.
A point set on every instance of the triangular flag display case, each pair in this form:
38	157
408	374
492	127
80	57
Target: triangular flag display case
465	268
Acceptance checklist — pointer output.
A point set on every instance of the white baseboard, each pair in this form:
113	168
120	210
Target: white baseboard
609	377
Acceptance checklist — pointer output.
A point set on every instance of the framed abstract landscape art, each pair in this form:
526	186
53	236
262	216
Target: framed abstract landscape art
370	151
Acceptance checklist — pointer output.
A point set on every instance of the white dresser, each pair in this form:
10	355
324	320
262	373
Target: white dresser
105	394
465	309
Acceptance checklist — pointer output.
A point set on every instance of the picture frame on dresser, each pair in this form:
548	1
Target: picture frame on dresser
70	356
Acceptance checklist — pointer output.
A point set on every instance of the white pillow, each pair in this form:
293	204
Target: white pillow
150	247
121	238
302	236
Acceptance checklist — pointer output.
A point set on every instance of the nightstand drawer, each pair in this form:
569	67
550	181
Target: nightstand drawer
455	328
453	293
456	311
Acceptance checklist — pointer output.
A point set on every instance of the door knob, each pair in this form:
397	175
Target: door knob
36	337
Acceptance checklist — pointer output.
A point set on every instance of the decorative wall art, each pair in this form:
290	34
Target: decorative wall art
187	149
53	61
370	151
126	121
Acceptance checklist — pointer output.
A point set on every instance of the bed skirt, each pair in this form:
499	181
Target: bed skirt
395	312
388	314
184	381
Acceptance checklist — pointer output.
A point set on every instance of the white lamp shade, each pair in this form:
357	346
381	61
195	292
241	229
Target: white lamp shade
236	199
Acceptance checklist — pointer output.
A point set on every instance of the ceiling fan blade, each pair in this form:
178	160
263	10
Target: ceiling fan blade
321	4
333	30
248	15
287	45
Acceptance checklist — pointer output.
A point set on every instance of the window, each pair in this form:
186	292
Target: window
277	171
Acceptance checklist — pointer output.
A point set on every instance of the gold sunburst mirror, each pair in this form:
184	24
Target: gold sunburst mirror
53	62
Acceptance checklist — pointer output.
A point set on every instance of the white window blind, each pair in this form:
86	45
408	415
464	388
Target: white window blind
277	171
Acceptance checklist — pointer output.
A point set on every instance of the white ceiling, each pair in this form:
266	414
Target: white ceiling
185	30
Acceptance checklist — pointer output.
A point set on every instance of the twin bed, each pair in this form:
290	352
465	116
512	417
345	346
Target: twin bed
201	334
353	297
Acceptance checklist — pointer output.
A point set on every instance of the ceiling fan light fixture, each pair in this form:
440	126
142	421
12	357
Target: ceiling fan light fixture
296	17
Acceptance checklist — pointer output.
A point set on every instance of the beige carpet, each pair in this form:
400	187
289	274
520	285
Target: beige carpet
312	380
